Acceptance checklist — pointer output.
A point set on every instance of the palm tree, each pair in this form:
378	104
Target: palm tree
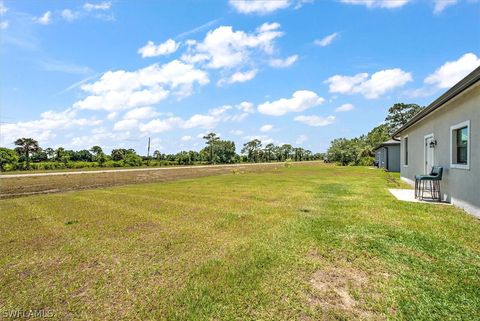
25	147
211	139
157	155
97	151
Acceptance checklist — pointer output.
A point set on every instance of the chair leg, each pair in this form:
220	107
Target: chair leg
416	182
439	194
422	188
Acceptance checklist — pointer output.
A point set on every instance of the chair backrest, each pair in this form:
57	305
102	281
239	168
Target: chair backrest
437	171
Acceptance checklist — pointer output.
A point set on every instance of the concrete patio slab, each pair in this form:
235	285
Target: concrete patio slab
408	195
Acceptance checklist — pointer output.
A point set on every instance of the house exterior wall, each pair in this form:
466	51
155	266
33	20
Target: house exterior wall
459	186
394	158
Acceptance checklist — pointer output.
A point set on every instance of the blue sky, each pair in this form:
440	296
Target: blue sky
113	73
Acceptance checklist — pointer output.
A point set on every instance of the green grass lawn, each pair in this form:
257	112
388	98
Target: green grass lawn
298	243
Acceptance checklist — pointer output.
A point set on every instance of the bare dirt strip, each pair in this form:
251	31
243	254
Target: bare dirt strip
41	183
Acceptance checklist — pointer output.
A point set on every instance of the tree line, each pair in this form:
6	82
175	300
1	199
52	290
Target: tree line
360	151
29	155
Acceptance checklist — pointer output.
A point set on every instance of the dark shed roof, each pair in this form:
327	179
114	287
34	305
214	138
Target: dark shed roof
388	143
461	86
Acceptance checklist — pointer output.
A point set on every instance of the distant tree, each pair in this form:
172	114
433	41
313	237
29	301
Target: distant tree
59	153
251	149
39	156
343	151
82	155
308	154
50	153
378	135
399	114
96	151
119	154
8	159
26	146
225	151
184	158
132	159
157	155
286	151
298	154
211	139
269	152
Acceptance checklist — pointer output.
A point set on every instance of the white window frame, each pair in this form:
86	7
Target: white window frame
403	154
469	145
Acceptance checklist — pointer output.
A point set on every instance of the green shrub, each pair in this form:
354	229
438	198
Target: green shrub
367	161
8	159
132	160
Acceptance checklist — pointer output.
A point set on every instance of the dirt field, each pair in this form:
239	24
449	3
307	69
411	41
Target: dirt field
69	181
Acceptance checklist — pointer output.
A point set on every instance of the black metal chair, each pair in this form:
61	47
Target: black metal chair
430	183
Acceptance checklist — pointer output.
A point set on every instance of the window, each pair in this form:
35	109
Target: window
460	145
405	140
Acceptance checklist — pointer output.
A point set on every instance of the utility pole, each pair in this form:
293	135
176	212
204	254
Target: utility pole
148	149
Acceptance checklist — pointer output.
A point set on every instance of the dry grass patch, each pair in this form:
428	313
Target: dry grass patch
342	291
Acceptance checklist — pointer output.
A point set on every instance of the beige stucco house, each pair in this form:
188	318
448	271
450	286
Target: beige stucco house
447	133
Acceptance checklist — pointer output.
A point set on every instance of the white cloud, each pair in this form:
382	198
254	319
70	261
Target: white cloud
301	139
141	113
246	107
208	121
389	4
186	138
69	15
202	121
112	115
4	25
440	5
239	77
344	108
47	127
259	6
371	87
117	90
126	124
152	50
326	40
225	48
3	9
45	19
62	66
263	138
236	132
100	137
452	72
105	5
300	101
160	125
266	128
283	63
315	121
132	120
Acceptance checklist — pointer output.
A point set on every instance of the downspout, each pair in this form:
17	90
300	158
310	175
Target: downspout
386	158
